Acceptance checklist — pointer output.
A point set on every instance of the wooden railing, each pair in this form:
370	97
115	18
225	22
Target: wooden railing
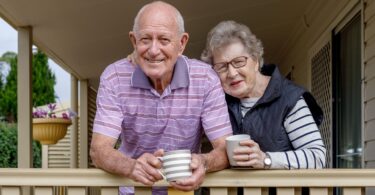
255	182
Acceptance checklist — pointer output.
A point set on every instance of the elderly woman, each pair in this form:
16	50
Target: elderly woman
281	117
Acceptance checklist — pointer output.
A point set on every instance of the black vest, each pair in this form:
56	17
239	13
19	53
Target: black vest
264	122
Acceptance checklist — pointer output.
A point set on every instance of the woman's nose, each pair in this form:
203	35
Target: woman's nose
232	72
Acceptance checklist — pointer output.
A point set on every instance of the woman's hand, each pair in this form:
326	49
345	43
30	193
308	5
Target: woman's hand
250	156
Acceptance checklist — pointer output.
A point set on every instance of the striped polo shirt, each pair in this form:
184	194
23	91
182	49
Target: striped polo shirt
130	108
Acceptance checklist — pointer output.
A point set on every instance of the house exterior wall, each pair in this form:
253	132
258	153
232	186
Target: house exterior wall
369	83
315	30
59	154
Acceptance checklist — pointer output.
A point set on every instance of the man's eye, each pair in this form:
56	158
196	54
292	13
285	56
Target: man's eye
165	41
145	40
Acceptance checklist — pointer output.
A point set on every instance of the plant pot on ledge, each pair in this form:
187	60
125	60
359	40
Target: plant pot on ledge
50	130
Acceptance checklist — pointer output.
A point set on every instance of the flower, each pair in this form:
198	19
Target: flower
50	113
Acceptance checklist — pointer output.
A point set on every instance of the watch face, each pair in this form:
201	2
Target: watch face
267	161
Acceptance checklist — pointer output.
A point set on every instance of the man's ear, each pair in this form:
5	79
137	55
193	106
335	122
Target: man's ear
132	38
183	41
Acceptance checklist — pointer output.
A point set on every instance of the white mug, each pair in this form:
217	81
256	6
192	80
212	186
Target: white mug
176	165
233	142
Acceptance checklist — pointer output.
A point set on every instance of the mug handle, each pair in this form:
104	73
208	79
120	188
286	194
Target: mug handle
161	172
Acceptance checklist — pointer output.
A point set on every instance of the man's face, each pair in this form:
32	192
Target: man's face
158	44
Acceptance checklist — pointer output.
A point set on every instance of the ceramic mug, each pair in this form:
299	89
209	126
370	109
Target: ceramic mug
233	142
176	165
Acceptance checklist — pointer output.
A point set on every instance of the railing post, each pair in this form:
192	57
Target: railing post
109	190
219	191
319	191
77	191
10	190
353	191
252	191
43	191
285	191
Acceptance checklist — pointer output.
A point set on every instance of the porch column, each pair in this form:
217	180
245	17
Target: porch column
74	127
83	119
24	100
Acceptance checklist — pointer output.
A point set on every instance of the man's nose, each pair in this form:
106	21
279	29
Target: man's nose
154	48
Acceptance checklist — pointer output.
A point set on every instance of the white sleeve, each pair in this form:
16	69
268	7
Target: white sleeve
309	150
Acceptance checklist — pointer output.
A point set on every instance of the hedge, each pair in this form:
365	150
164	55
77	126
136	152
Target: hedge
8	147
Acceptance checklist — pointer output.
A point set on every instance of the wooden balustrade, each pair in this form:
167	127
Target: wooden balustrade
255	182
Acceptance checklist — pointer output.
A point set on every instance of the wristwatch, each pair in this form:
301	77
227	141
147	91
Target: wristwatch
267	161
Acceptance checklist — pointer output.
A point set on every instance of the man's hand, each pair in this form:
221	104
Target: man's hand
146	168
214	161
193	182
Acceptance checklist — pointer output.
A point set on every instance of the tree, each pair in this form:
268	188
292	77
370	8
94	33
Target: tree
43	81
43	92
8	103
43	85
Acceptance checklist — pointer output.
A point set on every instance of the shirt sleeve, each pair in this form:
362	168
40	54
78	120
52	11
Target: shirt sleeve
108	116
304	134
215	117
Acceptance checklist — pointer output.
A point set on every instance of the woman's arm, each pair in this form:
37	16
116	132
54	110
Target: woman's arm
304	134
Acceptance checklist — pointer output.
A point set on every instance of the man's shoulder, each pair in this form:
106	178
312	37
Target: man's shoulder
120	67
192	62
198	67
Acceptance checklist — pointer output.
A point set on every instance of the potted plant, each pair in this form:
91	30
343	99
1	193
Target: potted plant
48	128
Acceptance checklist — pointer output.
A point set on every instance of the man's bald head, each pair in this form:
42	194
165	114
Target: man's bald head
160	6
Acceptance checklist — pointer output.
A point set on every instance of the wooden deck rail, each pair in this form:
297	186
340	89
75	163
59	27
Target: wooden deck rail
256	182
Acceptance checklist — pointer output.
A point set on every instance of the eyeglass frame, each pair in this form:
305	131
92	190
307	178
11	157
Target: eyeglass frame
231	62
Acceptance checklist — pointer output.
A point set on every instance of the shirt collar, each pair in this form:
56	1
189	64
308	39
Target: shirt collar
180	77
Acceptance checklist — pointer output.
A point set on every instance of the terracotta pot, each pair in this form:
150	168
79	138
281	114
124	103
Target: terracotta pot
50	130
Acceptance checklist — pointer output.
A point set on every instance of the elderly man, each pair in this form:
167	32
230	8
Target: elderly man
160	103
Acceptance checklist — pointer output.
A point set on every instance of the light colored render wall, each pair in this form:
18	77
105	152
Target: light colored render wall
318	19
369	84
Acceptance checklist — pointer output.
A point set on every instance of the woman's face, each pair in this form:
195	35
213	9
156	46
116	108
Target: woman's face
237	82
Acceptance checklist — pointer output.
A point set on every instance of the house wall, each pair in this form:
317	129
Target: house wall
59	154
314	31
369	83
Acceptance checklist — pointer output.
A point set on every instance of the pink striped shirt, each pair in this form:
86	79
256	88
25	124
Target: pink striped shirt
130	108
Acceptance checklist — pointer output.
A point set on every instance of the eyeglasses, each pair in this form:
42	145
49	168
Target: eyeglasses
237	62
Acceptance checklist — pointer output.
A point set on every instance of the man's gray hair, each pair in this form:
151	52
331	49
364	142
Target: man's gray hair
227	32
179	19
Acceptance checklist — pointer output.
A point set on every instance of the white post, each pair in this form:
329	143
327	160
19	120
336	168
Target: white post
24	100
74	127
83	119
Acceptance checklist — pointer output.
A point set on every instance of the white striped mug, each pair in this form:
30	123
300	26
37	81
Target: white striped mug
176	165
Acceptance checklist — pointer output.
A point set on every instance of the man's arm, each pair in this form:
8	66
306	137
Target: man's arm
109	159
217	159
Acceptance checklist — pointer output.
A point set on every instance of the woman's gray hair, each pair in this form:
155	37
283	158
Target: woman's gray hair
230	31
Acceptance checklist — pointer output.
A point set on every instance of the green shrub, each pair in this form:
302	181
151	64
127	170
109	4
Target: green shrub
8	147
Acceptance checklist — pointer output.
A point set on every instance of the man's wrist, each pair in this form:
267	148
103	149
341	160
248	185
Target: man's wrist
204	161
127	171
